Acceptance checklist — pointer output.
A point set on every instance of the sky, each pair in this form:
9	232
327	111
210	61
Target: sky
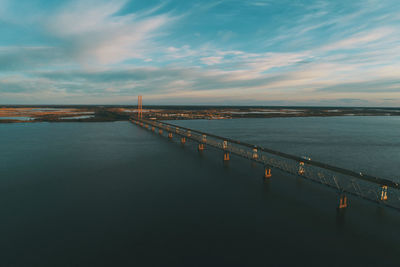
206	52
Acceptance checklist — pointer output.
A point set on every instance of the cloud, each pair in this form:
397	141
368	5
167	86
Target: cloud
94	32
319	52
89	33
381	85
211	60
358	40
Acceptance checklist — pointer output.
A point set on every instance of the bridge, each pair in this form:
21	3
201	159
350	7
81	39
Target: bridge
346	182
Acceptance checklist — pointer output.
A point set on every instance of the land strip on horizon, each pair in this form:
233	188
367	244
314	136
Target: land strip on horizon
102	113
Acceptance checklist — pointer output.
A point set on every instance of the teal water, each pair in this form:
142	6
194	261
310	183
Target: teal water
114	194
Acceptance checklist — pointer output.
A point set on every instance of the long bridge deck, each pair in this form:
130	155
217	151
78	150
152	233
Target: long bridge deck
375	189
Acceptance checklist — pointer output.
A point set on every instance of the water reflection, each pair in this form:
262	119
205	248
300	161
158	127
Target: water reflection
340	218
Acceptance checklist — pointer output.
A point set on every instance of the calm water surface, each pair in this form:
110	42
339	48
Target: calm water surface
367	144
114	194
16	118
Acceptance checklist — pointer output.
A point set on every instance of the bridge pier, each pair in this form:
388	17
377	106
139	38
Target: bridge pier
225	145
342	201
301	168
183	140
384	190
200	147
226	156
170	135
267	172
255	153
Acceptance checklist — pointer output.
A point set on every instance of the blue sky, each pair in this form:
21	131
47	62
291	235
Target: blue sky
260	52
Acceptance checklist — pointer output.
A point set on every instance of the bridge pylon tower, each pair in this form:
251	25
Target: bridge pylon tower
140	107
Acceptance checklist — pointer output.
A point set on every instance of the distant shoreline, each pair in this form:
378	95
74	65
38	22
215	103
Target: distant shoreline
51	113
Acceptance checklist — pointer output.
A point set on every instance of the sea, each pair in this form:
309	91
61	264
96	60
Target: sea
115	194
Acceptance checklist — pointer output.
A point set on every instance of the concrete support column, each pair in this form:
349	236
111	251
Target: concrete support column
225	145
384	192
267	172
201	147
255	153
301	168
226	156
342	201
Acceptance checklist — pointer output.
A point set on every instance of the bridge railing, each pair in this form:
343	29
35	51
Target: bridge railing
379	190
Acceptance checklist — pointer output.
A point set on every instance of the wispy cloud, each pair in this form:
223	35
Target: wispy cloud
101	51
95	32
211	60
